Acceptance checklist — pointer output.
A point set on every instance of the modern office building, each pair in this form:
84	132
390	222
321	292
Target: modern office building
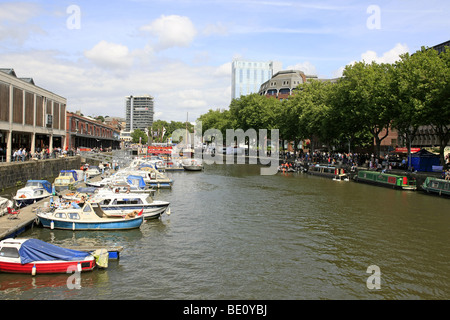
30	117
139	112
247	76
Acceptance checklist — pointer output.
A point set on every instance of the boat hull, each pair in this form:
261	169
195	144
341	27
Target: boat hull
152	211
119	224
437	186
23	202
386	180
193	168
160	184
42	267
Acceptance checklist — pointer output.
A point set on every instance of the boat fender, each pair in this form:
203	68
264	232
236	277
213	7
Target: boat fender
33	270
79	267
52	225
73	225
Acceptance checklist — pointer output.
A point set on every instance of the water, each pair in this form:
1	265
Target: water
234	234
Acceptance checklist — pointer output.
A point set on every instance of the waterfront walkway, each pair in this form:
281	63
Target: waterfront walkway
11	227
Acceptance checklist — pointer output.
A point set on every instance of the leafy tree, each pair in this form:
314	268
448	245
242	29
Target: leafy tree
136	134
421	95
365	99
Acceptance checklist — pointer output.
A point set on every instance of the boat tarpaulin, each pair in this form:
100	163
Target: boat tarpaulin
141	182
45	184
37	250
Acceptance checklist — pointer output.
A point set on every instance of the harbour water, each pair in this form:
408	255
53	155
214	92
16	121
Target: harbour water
234	234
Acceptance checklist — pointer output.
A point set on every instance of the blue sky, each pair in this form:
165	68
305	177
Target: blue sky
94	53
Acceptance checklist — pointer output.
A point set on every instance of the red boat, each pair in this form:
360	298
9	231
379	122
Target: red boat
33	256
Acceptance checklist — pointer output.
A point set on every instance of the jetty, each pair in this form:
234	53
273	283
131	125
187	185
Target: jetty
10	228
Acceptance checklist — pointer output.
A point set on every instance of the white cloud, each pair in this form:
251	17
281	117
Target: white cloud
18	12
390	56
15	21
370	56
216	28
307	67
177	88
110	55
172	31
224	70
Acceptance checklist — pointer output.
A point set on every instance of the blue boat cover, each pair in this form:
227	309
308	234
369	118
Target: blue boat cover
139	178
86	189
47	185
37	250
73	172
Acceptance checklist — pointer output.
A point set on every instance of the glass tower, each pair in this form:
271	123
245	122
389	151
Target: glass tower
247	76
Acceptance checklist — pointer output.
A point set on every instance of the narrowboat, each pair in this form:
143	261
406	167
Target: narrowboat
438	186
387	180
33	256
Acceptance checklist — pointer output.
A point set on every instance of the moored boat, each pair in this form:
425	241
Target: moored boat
386	179
68	178
119	204
34	190
438	186
86	217
33	256
192	165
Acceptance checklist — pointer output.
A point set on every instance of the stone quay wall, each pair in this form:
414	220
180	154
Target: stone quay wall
16	174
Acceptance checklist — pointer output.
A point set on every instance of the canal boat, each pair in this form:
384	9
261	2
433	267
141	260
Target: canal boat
192	165
33	256
86	217
386	179
438	186
119	204
323	171
68	178
4	205
34	191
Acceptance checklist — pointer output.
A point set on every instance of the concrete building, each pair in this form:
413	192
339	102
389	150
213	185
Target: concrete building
30	117
247	76
284	83
139	111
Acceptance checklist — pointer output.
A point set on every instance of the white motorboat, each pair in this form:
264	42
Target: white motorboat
151	176
192	165
34	190
119	204
92	171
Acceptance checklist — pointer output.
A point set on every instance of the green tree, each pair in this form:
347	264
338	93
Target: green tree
136	134
421	95
365	99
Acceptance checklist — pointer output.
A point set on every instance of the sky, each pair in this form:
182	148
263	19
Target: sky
95	53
